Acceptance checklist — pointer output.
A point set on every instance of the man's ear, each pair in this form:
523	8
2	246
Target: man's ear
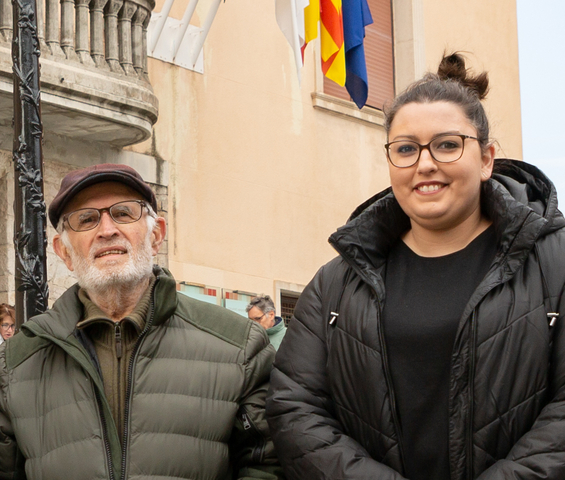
62	251
158	234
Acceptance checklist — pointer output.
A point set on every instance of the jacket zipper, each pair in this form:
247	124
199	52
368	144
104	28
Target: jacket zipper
118	337
390	385
104	434
471	396
260	445
130	383
119	352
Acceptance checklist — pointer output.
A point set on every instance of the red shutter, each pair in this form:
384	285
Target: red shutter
378	56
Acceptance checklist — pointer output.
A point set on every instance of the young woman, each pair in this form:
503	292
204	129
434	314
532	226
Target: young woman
433	347
7	322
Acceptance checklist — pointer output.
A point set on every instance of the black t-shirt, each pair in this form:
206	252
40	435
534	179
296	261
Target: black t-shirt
425	298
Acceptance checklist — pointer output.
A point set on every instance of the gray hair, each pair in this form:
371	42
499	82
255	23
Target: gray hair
262	302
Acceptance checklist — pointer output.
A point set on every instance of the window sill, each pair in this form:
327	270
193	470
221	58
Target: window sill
347	109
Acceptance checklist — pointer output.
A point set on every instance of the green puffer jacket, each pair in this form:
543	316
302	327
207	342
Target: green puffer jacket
195	408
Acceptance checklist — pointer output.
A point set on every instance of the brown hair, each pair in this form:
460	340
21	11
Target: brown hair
7	310
452	83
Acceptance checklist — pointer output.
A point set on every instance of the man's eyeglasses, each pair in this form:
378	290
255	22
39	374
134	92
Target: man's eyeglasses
86	219
258	319
443	148
8	326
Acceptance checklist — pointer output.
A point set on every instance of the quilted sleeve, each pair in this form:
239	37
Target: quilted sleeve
251	448
9	453
540	453
310	441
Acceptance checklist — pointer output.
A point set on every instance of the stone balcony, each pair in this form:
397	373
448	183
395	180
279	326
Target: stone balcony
94	83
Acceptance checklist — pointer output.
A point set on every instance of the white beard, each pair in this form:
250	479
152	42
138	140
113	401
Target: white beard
115	275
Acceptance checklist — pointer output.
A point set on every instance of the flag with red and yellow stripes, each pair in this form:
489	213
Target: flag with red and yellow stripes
299	20
331	39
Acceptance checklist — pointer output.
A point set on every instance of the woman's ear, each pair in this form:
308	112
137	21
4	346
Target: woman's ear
487	163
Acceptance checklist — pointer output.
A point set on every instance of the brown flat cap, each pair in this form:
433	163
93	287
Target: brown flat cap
78	180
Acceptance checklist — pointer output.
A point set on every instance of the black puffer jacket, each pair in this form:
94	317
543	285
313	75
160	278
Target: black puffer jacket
331	407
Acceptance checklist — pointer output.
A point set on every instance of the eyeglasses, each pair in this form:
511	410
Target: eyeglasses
8	326
86	219
258	319
443	148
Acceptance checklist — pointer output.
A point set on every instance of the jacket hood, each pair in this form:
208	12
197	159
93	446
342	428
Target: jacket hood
60	321
520	200
528	185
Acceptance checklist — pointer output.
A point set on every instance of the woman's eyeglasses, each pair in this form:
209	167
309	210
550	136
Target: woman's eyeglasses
443	148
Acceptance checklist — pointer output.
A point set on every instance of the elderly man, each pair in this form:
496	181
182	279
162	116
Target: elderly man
124	378
261	309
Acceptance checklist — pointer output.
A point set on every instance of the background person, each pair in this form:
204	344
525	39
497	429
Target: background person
447	358
261	309
7	321
124	377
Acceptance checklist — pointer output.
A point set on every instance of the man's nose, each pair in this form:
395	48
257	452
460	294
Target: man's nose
107	226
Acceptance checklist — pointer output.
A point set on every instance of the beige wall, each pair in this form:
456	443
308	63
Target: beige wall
487	30
259	178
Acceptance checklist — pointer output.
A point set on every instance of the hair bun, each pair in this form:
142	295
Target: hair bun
452	67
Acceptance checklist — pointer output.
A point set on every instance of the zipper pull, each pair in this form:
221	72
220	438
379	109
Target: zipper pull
246	422
118	336
552	317
333	320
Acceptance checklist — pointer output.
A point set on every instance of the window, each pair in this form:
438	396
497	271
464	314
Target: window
378	56
288	303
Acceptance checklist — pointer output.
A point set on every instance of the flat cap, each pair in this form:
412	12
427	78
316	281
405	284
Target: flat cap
78	180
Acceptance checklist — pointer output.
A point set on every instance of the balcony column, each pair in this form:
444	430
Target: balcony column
97	32
40	12
144	37
111	20
124	32
52	27
137	40
67	28
81	31
6	15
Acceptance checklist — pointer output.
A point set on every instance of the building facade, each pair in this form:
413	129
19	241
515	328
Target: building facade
254	170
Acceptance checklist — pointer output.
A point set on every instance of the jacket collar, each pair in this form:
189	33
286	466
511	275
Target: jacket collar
60	321
520	200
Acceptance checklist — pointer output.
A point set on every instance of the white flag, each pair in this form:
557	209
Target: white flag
290	17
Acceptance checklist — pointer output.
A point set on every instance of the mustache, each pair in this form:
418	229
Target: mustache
123	243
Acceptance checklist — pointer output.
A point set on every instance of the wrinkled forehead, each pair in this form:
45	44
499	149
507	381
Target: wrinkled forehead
102	195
